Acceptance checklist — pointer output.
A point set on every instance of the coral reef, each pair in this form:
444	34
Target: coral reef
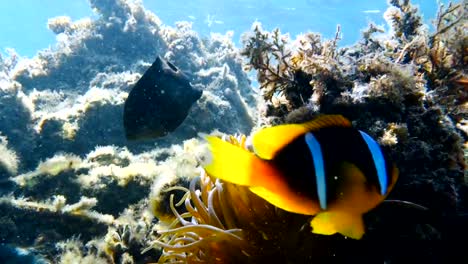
8	160
386	81
69	92
289	69
61	121
58	205
75	190
385	84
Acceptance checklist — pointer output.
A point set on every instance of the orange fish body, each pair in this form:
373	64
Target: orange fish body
323	167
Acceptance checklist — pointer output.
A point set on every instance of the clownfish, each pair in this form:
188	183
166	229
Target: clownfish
324	168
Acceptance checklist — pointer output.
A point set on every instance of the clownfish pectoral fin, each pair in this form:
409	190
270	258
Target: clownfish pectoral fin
331	222
234	164
357	196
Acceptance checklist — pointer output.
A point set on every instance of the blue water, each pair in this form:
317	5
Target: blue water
11	255
24	22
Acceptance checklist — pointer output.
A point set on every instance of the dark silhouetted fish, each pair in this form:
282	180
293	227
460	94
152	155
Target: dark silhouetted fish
159	102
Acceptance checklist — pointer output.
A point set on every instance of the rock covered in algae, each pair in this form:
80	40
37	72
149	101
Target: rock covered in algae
62	98
60	130
396	85
140	203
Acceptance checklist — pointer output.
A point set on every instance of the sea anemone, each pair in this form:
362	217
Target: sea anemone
227	223
211	236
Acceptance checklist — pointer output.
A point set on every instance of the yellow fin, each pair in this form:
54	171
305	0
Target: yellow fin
323	121
357	196
229	162
287	201
331	222
234	164
268	141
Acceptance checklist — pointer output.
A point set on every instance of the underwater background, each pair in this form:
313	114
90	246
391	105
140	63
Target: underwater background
27	31
73	189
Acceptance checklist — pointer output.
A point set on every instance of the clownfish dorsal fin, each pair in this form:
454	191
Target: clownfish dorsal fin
324	121
268	141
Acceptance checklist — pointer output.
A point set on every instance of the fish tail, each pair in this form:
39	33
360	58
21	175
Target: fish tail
331	222
234	164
